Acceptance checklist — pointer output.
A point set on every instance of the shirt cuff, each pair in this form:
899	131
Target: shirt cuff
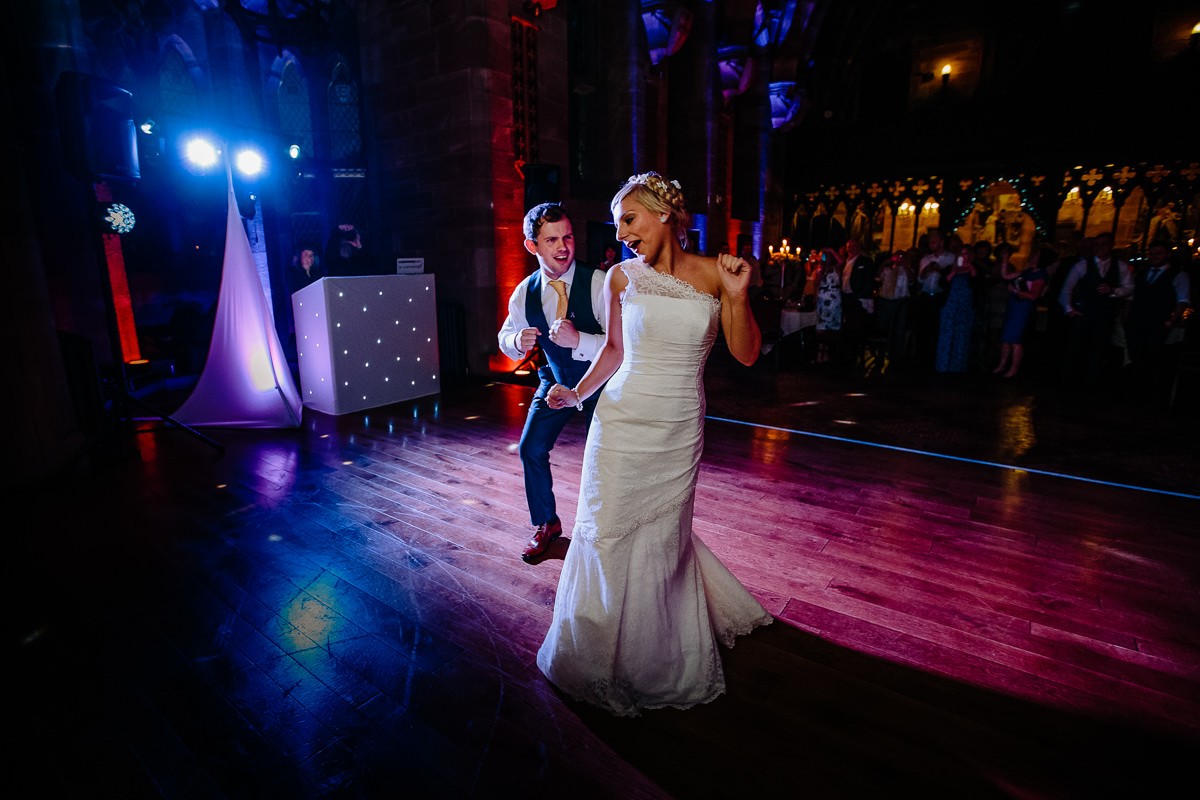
588	347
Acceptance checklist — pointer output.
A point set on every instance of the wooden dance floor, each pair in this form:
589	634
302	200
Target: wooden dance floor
341	611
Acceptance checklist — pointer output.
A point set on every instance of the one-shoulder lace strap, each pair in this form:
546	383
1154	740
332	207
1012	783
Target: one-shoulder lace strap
646	280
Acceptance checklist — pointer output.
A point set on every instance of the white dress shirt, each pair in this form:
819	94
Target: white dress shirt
589	343
1080	269
932	283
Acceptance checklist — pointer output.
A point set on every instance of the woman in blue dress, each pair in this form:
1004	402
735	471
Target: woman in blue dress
958	315
1025	288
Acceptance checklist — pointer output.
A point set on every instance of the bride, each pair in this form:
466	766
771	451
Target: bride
642	602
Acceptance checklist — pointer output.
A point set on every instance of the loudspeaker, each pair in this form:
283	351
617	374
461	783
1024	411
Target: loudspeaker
99	138
541	184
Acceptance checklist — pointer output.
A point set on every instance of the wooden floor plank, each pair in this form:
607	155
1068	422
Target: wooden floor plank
342	609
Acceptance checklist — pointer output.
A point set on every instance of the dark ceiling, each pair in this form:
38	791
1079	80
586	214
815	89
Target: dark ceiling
1056	81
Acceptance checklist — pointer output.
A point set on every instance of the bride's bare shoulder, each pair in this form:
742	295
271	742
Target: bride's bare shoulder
707	268
617	276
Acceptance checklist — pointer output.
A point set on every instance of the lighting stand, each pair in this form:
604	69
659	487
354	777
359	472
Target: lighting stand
118	416
530	361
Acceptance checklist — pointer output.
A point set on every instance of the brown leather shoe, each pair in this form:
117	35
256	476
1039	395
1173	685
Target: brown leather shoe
542	537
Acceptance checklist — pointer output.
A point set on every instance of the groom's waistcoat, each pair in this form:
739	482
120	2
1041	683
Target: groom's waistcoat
567	370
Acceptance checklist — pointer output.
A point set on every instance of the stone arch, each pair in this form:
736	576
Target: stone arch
1068	225
1102	213
288	85
905	231
882	223
929	216
342	100
1132	219
181	80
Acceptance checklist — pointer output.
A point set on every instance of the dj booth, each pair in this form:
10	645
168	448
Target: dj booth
366	341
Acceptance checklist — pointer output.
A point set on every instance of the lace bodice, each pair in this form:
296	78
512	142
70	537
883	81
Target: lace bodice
647	280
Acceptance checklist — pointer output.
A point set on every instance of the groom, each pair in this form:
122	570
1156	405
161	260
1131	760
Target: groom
561	309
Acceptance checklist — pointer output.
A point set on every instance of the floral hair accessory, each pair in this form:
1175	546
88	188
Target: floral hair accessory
655	182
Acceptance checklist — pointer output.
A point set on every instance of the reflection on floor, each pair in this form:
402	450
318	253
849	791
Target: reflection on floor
340	611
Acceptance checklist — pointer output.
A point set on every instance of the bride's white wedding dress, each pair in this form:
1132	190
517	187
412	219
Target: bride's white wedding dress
642	602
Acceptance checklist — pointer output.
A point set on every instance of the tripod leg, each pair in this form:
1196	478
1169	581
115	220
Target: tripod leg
165	418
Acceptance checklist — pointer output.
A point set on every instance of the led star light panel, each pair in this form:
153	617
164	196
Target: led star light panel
366	342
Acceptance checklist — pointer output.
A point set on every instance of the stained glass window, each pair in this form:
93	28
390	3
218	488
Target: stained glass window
345	135
295	115
176	86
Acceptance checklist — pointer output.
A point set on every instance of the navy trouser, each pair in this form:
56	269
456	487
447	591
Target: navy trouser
543	424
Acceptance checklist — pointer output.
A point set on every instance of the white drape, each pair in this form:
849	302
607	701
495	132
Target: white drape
246	382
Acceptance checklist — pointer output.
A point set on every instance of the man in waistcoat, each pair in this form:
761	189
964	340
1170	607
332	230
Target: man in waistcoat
1091	297
1162	292
559	308
858	294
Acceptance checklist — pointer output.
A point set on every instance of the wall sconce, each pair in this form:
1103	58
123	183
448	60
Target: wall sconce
946	75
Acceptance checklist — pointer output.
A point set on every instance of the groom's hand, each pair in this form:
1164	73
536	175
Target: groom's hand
526	339
559	396
563	334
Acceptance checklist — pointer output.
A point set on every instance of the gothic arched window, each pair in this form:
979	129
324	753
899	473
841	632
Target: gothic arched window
176	85
345	135
295	115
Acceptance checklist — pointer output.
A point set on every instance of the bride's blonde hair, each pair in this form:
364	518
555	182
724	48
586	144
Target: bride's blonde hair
659	196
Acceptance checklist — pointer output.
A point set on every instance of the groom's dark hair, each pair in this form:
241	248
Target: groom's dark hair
539	215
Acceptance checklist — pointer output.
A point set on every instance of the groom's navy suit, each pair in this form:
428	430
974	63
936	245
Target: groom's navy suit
543	424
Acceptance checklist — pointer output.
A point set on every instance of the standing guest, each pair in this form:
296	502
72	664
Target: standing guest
344	253
304	271
1161	297
1025	287
798	275
894	278
612	251
931	272
1090	296
1054	353
828	282
994	291
756	273
958	315
858	293
984	265
560	308
642	603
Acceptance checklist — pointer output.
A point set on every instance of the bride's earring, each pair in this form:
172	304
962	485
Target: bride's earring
663	218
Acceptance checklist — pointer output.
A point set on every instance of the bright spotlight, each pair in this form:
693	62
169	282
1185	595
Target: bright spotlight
249	163
294	151
201	153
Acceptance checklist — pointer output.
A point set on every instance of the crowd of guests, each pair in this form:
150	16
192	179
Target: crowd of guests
1085	315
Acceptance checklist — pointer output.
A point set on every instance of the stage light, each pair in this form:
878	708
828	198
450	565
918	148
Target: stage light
201	153
294	151
119	218
249	163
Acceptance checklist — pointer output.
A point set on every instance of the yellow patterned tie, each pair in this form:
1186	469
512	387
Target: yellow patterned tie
561	288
